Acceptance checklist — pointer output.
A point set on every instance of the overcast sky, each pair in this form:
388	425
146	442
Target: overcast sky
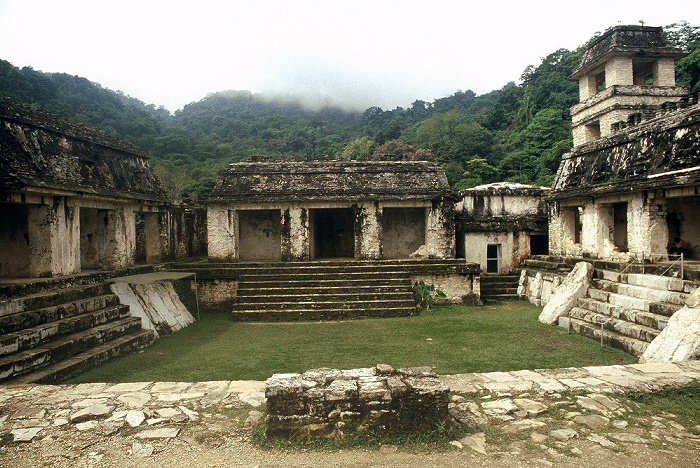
358	53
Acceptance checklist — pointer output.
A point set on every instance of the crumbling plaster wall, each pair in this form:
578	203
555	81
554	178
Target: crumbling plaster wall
295	233
514	247
440	235
403	231
222	223
368	231
53	231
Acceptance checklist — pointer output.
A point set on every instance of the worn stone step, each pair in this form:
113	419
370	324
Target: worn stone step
31	318
598	295
51	298
610	337
663	283
57	372
491	289
623	327
59	349
31	337
496	279
641	292
661	308
268	296
312	276
498	297
326	305
245	290
648	319
320	282
292	315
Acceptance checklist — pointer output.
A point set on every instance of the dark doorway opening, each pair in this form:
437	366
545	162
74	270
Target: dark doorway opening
333	233
620	226
461	247
539	244
493	258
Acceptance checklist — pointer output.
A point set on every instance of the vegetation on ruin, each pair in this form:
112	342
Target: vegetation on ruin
517	133
452	339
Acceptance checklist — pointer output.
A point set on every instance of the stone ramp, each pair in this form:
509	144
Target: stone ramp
53	334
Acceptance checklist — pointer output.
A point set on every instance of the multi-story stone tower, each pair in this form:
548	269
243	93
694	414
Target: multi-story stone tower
625	69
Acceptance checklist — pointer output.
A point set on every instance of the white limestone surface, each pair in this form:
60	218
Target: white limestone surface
680	340
564	298
156	303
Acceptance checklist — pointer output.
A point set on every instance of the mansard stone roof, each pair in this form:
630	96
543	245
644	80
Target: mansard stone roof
636	41
663	151
43	152
505	188
264	182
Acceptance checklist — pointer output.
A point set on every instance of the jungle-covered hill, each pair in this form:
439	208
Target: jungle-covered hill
517	133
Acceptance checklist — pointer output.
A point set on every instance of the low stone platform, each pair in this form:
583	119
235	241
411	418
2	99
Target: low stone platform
332	402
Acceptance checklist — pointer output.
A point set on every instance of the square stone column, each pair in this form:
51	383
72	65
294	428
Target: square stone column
295	234
368	231
119	234
54	238
152	228
647	228
222	228
596	233
440	230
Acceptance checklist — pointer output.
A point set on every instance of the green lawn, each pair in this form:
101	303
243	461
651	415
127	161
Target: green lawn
451	339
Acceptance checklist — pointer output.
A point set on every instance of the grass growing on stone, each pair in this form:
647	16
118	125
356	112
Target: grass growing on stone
452	339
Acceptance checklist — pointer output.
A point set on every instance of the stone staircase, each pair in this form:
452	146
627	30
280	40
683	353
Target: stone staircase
324	290
51	333
629	309
499	287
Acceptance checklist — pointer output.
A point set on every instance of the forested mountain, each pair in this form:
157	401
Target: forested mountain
517	133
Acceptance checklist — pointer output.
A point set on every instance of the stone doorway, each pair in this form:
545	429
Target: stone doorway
333	233
493	258
14	238
93	243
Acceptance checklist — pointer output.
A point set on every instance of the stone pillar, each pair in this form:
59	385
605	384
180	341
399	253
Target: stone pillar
646	226
440	230
119	233
619	71
54	238
596	234
152	233
368	231
295	234
222	226
664	72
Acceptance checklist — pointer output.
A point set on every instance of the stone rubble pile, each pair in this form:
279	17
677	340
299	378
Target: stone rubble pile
332	403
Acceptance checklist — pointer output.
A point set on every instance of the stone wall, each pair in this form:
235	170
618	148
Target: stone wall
332	403
537	286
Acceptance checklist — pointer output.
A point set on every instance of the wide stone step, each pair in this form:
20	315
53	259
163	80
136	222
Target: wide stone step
320	282
244	289
85	360
292	315
610	337
648	319
498	279
51	298
324	305
662	283
286	276
492	289
31	337
21	320
269	296
641	292
622	327
59	349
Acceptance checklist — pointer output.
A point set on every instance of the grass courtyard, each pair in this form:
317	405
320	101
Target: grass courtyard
451	339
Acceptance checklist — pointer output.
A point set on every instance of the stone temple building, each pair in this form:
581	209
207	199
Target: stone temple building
74	199
630	186
499	224
335	209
